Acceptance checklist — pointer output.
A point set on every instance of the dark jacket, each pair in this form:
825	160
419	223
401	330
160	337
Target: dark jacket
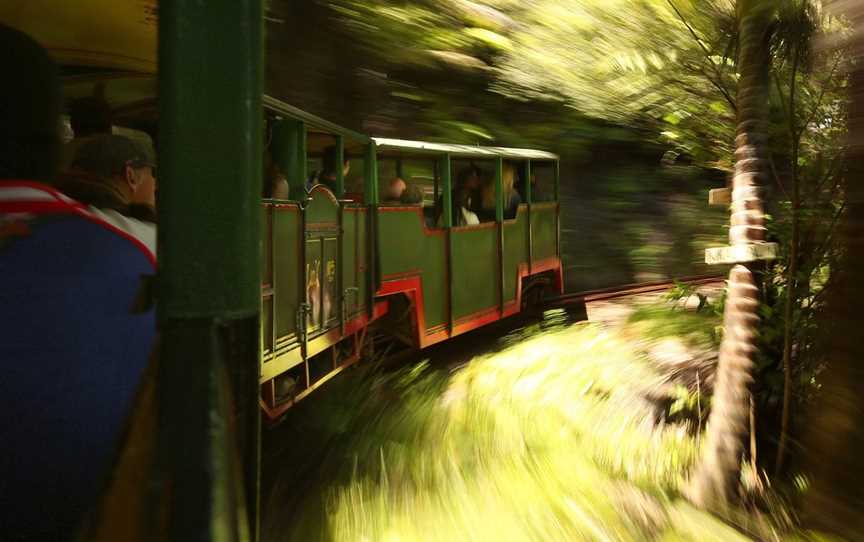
93	191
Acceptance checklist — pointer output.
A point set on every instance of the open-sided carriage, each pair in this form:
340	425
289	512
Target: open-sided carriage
335	261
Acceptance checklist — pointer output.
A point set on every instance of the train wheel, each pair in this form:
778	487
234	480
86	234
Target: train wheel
534	294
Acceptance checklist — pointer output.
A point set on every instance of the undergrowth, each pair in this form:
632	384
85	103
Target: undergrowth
699	326
557	437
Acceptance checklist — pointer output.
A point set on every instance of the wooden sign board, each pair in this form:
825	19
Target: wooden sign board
741	253
720	196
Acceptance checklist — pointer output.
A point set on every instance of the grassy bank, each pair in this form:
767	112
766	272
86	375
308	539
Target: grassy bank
566	435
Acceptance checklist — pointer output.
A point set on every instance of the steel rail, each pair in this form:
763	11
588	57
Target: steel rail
628	290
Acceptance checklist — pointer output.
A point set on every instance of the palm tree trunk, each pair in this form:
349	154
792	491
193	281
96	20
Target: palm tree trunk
715	480
836	438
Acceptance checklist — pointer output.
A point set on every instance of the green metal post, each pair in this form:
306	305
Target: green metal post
557	210
447	215
371	174
447	186
371	199
499	219
205	486
289	152
340	167
557	179
528	200
499	202
437	188
300	161
340	193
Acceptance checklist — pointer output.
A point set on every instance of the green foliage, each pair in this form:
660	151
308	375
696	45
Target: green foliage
700	328
550	438
681	292
631	61
808	133
558	432
685	400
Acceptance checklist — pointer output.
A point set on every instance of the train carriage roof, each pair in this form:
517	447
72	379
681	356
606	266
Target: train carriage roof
466	151
310	120
105	34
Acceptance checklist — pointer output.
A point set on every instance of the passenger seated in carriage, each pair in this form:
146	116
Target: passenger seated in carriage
462	213
510	196
412	195
275	185
462	203
395	189
75	345
115	177
327	175
466	198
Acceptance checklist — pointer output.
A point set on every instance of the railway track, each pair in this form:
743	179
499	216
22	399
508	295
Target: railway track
628	290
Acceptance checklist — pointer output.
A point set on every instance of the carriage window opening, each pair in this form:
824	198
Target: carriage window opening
409	181
387	171
355	179
322	160
314	164
274	182
284	165
419	175
511	180
542	181
474	192
468	178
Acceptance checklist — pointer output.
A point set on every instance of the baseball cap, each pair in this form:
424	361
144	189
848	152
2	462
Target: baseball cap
107	155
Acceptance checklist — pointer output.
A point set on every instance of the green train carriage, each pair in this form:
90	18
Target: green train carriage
326	279
445	272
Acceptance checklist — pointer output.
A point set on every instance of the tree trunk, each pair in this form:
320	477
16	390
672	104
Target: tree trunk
836	440
716	477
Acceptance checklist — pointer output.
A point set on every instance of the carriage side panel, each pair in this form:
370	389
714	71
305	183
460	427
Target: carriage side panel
515	253
408	249
475	271
543	230
353	281
349	255
285	254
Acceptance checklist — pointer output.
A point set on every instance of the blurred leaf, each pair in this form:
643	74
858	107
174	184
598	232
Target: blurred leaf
490	38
